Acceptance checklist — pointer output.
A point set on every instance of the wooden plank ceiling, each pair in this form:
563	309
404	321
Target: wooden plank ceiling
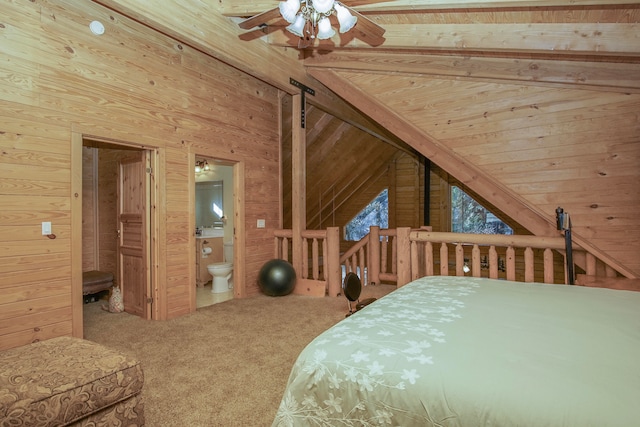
532	104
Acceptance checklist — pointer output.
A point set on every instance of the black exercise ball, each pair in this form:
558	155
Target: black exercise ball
277	278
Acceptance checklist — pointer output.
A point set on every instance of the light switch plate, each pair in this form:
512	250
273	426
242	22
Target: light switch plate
261	223
46	228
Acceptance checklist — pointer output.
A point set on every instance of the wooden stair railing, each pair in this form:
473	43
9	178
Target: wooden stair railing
374	257
355	259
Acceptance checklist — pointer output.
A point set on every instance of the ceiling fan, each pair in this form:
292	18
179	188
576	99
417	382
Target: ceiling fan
310	20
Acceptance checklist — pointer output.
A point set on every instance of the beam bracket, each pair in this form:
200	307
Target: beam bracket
303	89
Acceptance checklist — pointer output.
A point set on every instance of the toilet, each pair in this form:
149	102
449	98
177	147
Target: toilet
222	271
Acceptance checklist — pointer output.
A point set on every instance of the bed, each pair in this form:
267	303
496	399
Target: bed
460	351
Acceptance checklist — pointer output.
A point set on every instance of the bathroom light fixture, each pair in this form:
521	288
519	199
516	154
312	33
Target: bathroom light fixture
202	166
309	19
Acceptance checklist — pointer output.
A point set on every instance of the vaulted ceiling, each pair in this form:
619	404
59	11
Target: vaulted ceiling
531	104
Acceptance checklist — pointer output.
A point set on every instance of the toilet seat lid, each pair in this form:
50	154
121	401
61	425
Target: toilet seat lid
220	264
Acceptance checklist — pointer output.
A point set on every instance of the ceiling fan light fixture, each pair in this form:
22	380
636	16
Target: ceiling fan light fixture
309	19
324	29
345	18
289	9
322	6
297	26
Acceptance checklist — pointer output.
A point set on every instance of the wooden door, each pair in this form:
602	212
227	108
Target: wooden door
133	241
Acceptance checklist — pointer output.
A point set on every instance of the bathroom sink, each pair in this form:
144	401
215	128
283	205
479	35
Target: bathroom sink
212	232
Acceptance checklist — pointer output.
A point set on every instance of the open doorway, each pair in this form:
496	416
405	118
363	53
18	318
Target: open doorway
117	221
215	205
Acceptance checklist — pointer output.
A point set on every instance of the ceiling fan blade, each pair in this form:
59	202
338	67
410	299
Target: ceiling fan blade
365	24
261	18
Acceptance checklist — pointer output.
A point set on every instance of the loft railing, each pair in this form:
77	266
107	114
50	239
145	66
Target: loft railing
404	254
319	271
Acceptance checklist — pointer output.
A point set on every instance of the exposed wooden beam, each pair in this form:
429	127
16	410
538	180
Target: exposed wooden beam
553	39
250	8
597	75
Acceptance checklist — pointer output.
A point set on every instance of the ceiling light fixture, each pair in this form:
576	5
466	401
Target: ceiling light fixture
96	28
309	19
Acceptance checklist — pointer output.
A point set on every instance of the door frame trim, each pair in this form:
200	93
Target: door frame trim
77	142
239	232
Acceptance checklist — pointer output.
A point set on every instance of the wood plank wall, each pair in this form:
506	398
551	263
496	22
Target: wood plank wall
129	85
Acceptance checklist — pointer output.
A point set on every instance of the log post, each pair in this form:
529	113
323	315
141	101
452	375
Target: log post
333	275
298	183
403	244
374	255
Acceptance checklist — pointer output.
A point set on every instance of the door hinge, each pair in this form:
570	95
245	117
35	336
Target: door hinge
149	300
150	171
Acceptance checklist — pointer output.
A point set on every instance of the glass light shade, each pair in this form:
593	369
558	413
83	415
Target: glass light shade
297	27
345	18
324	29
322	6
288	10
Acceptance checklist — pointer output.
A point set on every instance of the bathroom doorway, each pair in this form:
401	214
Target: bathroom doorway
215	214
117	220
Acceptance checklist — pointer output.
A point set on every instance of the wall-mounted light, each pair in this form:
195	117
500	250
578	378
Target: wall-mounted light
202	166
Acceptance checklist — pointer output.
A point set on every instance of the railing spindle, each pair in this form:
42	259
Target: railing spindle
493	262
511	263
314	258
394	255
475	261
325	259
428	258
415	266
444	259
305	258
528	265
548	266
383	254
459	260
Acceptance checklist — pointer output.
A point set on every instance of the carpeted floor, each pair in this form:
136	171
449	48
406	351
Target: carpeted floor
224	365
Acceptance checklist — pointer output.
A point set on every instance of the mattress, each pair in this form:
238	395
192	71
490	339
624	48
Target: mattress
458	351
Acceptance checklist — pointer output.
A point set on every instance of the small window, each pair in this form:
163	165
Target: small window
469	216
375	213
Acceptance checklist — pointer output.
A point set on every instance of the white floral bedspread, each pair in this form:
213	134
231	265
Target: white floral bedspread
457	351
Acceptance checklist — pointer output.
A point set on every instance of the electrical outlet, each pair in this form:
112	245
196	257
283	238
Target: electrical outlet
261	223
